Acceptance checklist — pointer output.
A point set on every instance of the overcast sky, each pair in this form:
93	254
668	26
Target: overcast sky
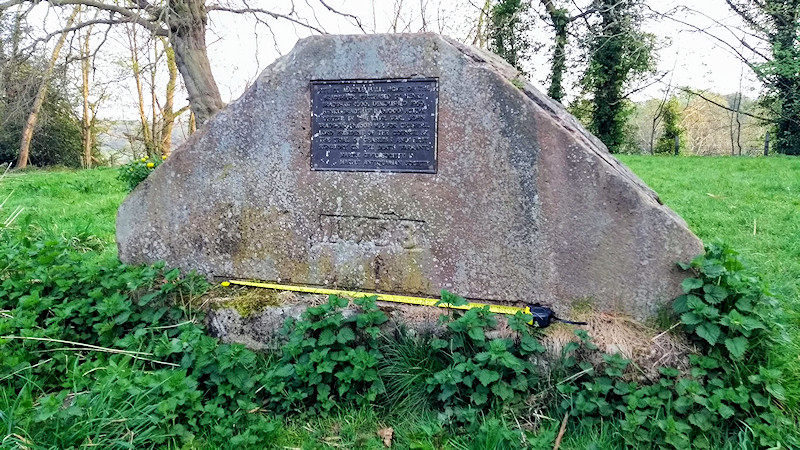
239	48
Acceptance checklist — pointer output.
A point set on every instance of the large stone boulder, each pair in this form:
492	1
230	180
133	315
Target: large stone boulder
524	206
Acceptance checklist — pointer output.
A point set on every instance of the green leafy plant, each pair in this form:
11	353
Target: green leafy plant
136	171
482	373
732	319
103	353
329	358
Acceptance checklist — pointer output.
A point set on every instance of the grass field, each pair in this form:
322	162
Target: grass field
79	205
751	203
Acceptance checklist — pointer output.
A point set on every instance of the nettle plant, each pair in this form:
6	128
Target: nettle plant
732	319
99	352
330	357
482	373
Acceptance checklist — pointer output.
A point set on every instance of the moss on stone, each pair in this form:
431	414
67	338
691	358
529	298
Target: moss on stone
582	307
249	301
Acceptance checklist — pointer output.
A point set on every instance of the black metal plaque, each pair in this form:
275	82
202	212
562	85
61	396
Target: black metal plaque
374	125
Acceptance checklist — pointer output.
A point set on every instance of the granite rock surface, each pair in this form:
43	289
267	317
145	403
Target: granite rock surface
525	206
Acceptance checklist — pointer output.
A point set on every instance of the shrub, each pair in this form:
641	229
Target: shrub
672	129
56	138
95	351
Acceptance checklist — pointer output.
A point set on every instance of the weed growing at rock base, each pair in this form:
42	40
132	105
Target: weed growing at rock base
93	351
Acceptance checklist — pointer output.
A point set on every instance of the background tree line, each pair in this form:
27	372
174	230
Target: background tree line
598	51
602	41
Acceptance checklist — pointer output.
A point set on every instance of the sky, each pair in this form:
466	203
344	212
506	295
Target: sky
240	48
694	58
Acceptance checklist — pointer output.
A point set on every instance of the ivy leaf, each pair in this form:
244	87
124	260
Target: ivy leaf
691	283
736	346
708	331
487	377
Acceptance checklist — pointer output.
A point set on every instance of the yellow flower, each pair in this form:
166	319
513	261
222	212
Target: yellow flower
144	159
150	165
225	284
163	157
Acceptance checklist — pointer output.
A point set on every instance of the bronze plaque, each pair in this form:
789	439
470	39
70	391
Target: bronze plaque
374	125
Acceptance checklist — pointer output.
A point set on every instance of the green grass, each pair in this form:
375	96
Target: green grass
78	204
720	198
753	204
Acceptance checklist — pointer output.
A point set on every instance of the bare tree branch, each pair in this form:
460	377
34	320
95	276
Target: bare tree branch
715	103
344	14
257	11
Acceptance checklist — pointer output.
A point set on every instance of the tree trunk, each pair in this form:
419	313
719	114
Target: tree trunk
561	19
155	129
786	81
137	77
30	124
480	32
168	113
86	125
187	19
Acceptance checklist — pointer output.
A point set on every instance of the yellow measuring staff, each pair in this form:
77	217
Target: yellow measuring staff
421	301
